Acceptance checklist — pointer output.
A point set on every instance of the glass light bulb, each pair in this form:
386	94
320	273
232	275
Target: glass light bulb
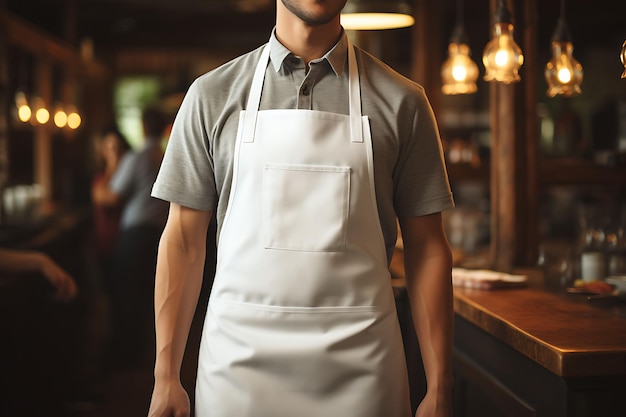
42	115
24	112
60	118
73	120
563	73
459	72
502	56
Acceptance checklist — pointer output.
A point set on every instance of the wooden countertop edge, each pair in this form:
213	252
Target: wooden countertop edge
513	336
560	362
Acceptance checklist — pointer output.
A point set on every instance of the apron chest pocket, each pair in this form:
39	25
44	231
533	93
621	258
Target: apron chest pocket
305	207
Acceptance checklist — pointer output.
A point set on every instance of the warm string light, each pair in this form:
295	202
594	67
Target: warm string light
459	72
563	73
42	115
502	57
73	120
24	112
62	117
32	109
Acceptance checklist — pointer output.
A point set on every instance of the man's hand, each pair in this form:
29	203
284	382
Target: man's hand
433	406
169	399
63	283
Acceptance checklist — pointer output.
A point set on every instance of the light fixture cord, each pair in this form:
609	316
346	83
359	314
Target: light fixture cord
459	12
458	33
561	33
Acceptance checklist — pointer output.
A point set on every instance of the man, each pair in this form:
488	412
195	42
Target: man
306	184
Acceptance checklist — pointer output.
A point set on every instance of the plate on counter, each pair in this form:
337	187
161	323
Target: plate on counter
592	287
619	282
608	289
485	279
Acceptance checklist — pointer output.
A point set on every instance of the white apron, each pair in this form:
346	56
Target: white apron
301	319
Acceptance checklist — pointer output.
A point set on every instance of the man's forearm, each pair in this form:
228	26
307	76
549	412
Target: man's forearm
430	293
177	288
17	261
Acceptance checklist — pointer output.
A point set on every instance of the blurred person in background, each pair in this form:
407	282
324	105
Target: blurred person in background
24	262
141	225
37	363
110	147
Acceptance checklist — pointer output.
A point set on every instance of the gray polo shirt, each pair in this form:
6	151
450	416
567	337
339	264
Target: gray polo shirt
409	170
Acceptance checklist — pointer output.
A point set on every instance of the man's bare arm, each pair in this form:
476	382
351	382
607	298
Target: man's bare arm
428	271
180	267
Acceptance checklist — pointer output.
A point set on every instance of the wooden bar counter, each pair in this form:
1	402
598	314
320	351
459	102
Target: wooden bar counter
534	352
567	334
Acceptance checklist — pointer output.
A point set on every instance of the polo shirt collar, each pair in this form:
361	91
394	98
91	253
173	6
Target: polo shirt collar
336	56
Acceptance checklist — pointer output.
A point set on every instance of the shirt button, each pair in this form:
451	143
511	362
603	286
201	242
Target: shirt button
305	90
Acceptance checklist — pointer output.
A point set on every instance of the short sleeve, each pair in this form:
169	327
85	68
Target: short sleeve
421	179
186	175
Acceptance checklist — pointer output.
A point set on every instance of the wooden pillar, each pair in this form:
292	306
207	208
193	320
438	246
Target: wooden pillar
43	141
427	55
513	179
504	204
529	232
5	101
503	168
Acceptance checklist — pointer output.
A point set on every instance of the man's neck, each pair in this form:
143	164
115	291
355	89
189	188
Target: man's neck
306	41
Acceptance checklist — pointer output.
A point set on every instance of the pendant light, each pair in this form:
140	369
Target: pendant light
502	57
563	73
376	14
622	56
459	72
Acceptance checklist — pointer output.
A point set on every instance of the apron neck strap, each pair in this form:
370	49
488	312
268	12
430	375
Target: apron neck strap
356	127
254	98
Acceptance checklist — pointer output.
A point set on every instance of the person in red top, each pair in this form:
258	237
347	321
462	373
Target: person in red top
109	148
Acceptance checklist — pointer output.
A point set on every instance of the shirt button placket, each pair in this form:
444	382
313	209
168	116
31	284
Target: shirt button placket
305	96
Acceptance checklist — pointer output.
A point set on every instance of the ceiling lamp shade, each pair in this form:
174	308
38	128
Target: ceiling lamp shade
563	73
376	14
502	57
622	56
459	72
